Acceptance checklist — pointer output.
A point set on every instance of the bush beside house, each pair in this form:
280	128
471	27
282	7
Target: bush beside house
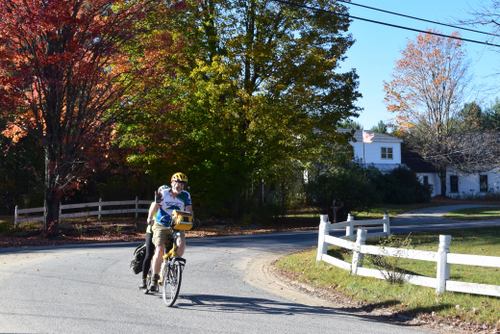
359	188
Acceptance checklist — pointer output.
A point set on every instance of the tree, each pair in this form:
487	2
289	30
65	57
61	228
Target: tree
471	115
21	172
381	127
258	94
60	73
491	117
487	15
350	124
426	93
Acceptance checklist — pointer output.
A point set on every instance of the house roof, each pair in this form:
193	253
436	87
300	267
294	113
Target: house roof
415	162
377	137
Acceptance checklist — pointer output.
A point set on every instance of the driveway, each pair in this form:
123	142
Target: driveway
432	219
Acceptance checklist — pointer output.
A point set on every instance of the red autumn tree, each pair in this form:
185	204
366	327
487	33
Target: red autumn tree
61	72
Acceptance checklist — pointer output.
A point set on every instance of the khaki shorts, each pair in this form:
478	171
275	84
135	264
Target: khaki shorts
162	235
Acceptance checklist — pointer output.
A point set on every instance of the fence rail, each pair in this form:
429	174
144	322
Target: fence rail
351	225
135	206
442	257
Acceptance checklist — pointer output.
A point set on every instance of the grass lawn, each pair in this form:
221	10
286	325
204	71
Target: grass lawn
475	213
392	209
373	213
406	298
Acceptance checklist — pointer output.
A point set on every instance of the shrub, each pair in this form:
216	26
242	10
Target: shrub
349	184
401	186
389	266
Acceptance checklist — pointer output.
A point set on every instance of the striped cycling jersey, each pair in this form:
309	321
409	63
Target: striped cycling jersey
168	204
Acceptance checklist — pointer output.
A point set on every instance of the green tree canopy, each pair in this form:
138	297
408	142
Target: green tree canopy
251	94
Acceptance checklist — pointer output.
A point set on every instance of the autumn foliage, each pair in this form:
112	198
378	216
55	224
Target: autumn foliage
61	71
428	81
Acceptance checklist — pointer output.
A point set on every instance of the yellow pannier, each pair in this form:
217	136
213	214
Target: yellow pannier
182	220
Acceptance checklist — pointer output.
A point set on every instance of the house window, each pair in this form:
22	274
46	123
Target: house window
386	153
483	183
425	180
453	183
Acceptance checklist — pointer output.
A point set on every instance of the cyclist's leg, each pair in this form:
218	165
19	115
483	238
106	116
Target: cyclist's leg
159	235
181	243
146	265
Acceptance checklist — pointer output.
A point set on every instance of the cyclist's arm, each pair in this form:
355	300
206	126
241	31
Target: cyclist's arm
152	211
189	208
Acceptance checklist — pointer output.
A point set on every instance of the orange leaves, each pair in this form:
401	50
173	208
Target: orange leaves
14	132
427	80
60	62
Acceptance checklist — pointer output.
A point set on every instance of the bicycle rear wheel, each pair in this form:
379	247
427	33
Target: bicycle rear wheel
172	278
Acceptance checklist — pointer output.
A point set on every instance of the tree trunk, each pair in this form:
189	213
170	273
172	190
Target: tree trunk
52	196
442	178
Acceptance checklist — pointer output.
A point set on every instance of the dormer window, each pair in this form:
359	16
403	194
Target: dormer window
386	153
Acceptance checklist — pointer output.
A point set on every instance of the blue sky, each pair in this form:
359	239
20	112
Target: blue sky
378	47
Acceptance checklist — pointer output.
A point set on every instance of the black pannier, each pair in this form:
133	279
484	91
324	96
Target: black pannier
138	258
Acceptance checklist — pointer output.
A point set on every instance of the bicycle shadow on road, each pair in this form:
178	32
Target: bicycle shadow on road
252	305
237	304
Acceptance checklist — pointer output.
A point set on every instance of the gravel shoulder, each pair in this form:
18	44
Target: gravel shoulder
262	273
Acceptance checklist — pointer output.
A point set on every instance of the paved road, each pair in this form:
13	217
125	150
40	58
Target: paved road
83	289
91	290
432	219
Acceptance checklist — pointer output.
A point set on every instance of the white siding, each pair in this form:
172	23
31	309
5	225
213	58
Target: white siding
371	153
434	182
468	184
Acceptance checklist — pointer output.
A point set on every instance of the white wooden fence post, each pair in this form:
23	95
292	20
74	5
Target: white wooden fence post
16	215
443	268
357	256
387	224
136	207
349	229
100	209
323	230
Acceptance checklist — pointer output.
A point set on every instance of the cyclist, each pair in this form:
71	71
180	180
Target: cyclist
167	200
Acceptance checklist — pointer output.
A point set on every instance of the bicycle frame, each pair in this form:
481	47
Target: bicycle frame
170	273
171	254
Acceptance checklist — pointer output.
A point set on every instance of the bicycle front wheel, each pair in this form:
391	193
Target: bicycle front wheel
172	278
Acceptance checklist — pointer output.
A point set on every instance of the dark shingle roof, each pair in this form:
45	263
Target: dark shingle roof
415	162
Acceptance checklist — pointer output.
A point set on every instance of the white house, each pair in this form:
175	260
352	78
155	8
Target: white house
460	185
377	149
384	152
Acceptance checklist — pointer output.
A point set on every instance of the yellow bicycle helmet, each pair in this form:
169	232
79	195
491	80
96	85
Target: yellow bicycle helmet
179	177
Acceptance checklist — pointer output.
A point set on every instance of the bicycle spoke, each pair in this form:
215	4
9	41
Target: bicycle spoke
172	283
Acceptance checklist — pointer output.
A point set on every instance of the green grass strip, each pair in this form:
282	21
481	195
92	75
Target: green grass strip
475	213
406	298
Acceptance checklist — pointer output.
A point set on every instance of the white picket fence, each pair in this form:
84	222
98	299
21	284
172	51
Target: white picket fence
135	206
442	257
351	225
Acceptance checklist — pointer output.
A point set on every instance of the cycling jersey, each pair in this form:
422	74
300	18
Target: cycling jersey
168	204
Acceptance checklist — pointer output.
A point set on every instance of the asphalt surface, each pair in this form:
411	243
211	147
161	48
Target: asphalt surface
90	289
